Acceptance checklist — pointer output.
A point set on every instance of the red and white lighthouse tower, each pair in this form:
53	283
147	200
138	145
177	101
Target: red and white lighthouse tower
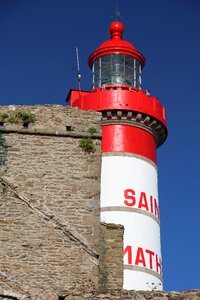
133	126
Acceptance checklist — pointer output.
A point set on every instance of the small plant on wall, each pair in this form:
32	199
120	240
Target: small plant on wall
3	117
87	145
25	116
92	130
12	119
17	117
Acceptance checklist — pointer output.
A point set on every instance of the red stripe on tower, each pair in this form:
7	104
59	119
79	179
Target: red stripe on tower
124	138
133	126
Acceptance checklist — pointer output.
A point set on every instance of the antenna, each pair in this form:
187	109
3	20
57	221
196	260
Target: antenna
78	69
117	14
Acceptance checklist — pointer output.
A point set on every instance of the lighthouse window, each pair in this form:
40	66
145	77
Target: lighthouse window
116	69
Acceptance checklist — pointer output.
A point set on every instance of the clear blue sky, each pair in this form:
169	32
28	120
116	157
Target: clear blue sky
37	66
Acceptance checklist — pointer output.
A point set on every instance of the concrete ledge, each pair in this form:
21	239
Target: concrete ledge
47	132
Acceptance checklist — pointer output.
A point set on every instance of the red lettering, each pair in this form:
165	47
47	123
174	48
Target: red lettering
130	197
157	213
151	203
140	259
128	250
158	265
143	201
151	254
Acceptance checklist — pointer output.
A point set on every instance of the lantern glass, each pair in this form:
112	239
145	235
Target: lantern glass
116	69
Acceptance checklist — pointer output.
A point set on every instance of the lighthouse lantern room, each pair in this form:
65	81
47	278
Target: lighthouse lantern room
121	67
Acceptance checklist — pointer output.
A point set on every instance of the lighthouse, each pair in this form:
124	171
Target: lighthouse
133	127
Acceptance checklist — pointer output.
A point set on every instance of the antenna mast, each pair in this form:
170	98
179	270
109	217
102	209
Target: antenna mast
117	14
78	69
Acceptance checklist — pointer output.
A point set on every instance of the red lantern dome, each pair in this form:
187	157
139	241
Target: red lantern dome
116	45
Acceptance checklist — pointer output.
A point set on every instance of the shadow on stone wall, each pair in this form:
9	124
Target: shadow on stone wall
3	153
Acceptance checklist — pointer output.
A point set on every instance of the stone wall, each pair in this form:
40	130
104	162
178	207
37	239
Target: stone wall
119	294
55	117
110	257
49	197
